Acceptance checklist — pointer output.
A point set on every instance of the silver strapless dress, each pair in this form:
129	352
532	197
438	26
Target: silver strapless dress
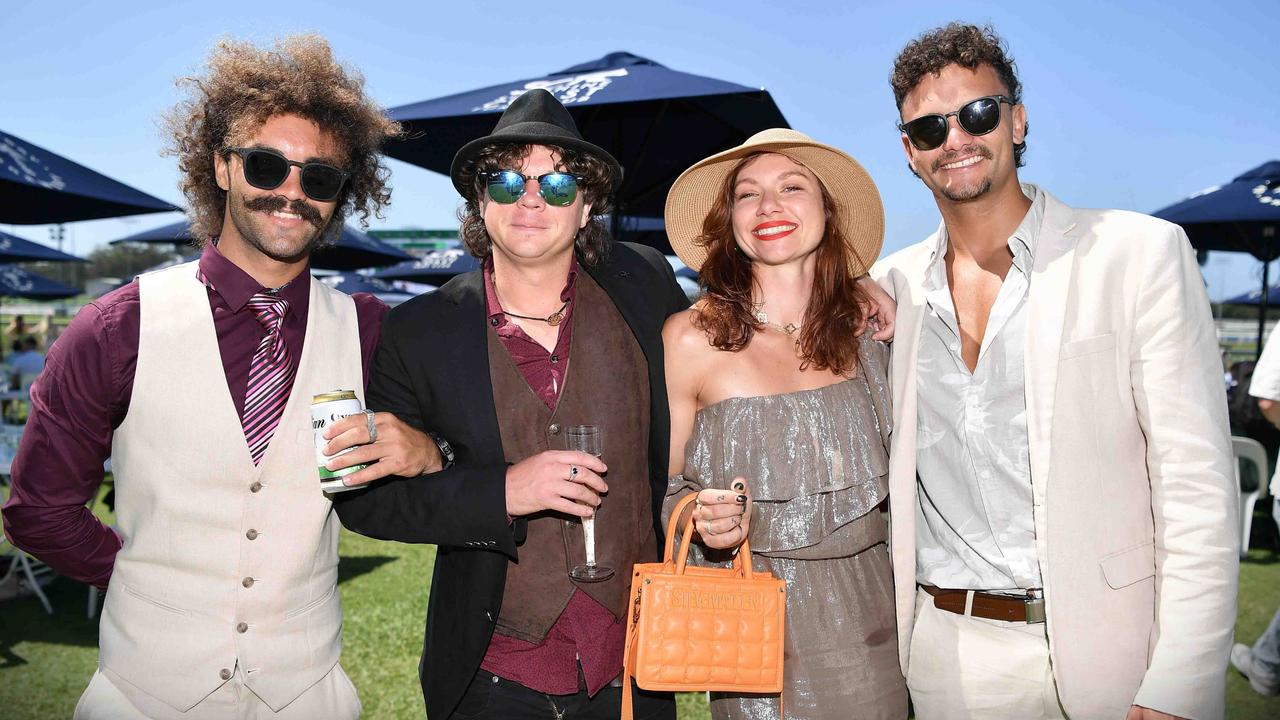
816	465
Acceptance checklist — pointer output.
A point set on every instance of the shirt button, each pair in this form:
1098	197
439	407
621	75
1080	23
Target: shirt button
555	359
255	487
252	534
247	582
494	322
224	673
554	429
242	628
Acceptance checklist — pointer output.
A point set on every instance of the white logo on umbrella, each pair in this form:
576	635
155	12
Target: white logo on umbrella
442	260
569	90
15	280
1268	193
29	167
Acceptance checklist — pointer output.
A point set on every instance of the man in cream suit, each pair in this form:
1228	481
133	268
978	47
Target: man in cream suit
1061	488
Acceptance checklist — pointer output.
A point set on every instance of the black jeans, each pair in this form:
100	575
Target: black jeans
494	698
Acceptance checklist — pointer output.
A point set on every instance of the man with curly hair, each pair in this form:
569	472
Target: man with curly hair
561	327
196	381
1061	489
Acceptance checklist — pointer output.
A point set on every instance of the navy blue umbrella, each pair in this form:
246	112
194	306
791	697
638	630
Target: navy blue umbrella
15	249
1254	297
352	283
1241	216
352	251
16	282
654	120
434	268
38	187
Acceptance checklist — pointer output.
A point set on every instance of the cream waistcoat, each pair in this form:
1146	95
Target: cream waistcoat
223	563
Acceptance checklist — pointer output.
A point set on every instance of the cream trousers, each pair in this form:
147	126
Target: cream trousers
966	667
332	698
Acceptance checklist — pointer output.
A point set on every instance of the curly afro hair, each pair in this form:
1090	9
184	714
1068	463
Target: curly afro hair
243	87
956	44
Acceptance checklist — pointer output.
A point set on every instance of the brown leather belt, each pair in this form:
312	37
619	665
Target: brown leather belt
990	606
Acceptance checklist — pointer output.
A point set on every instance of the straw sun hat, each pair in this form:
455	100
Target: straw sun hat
861	212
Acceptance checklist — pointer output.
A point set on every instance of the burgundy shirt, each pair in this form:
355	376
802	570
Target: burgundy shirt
586	631
83	395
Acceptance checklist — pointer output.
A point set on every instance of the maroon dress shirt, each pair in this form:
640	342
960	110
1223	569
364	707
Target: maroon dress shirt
83	395
586	632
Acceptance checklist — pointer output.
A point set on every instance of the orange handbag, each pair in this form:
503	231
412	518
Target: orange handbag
703	628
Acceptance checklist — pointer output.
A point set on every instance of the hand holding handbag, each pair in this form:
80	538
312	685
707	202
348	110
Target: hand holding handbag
703	628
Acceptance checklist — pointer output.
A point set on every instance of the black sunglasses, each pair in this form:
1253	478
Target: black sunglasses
268	169
507	186
978	117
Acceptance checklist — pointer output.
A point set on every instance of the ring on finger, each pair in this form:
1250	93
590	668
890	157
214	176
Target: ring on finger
368	422
573	471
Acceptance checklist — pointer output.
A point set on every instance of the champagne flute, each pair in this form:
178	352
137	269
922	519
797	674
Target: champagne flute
586	438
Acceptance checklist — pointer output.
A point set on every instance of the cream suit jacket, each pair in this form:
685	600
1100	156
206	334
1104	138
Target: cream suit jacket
1133	493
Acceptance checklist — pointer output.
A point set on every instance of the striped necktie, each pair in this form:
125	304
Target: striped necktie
270	376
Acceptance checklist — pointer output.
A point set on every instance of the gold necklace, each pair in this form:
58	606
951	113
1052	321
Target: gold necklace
790	329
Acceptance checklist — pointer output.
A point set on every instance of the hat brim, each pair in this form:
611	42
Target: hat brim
861	211
528	133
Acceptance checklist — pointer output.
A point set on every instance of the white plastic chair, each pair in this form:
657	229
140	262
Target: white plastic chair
1250	450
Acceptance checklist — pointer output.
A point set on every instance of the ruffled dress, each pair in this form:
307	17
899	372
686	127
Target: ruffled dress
817	468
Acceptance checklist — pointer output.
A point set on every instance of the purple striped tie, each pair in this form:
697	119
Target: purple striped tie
270	376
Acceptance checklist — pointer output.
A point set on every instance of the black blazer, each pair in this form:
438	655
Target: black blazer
432	370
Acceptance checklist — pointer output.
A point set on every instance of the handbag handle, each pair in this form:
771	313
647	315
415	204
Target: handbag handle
741	561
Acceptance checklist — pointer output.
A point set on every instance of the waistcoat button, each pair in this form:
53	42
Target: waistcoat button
255	487
252	534
554	429
247	582
225	674
242	628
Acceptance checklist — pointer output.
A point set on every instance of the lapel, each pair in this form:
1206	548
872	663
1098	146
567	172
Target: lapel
1047	302
620	285
466	338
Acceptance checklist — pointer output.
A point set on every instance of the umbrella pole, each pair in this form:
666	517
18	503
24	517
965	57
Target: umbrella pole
1262	304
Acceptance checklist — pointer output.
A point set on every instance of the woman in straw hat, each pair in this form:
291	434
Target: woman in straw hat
780	409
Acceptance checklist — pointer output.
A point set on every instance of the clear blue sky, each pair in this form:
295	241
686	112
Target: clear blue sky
1131	105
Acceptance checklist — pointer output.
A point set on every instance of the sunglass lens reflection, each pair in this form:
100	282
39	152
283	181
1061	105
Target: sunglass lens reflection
980	116
558	189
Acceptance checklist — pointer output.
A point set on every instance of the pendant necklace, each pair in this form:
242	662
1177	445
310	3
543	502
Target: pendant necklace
762	317
553	319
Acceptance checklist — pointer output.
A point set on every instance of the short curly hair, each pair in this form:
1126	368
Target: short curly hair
957	44
243	87
596	182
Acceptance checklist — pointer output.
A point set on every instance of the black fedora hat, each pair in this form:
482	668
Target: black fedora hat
534	118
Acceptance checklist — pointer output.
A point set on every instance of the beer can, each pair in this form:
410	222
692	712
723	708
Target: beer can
327	409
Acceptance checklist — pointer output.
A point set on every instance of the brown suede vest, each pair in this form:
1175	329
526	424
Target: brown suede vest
606	385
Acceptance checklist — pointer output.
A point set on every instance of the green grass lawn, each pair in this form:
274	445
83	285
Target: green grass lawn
46	661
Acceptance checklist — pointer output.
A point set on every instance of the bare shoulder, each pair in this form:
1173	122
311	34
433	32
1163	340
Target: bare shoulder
681	331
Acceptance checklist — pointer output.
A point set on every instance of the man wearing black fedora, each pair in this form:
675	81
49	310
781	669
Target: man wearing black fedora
561	328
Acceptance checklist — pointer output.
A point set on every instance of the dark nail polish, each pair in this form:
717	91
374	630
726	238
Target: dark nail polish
739	486
742	499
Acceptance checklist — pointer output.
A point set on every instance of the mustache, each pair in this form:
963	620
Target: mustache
272	203
952	155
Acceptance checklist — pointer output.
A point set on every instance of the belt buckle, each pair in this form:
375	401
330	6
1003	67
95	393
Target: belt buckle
1034	603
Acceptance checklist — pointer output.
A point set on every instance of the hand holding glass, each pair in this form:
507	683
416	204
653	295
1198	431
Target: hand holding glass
586	438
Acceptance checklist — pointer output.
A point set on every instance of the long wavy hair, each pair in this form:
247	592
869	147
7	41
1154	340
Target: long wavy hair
834	316
592	241
242	88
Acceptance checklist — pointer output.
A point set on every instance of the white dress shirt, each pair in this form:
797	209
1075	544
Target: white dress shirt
974	524
1265	384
